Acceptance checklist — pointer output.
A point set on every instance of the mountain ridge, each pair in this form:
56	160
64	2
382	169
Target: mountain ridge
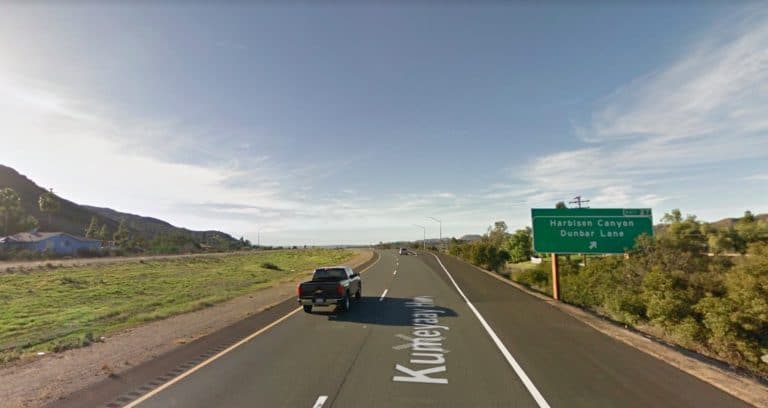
74	218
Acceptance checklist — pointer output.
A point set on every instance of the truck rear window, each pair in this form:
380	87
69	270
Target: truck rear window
330	274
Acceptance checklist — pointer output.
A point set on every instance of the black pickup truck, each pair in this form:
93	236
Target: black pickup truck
330	286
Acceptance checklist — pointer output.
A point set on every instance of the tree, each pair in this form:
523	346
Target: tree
122	236
498	234
520	245
12	217
560	205
672	217
49	204
688	234
93	229
103	234
750	229
10	205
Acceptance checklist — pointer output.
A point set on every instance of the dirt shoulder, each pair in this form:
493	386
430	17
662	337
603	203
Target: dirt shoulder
33	383
744	388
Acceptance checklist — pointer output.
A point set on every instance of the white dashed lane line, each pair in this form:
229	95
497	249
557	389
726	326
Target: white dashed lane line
320	401
383	295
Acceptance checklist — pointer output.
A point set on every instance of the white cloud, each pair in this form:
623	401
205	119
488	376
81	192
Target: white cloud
66	143
92	156
707	108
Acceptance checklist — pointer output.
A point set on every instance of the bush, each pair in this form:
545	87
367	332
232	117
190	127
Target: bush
666	296
270	265
538	277
737	323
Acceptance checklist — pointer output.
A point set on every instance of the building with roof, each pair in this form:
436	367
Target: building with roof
59	243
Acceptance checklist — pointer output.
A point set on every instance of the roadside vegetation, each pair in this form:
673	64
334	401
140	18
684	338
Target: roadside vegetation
698	285
66	308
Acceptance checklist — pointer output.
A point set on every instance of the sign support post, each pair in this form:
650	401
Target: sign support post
555	278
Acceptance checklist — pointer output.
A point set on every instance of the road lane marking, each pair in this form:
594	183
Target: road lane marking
383	294
192	370
210	360
502	348
426	344
409	343
320	401
395	272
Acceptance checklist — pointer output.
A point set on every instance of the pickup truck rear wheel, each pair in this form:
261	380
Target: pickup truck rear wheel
344	305
308	308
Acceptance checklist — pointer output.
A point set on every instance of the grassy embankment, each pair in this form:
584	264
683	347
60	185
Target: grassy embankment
64	308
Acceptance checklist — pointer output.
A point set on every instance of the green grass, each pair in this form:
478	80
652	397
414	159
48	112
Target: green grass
71	307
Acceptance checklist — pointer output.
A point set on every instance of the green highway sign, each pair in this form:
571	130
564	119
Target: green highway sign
589	230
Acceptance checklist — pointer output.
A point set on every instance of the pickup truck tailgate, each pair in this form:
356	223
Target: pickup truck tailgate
319	289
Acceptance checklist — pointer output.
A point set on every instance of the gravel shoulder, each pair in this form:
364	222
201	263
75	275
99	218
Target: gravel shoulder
35	382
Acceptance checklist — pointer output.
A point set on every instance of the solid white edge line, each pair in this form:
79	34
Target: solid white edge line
208	361
189	372
383	295
320	401
502	348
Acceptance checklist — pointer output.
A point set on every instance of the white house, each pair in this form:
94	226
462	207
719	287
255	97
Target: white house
59	243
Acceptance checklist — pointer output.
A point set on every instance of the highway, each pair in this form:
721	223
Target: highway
430	332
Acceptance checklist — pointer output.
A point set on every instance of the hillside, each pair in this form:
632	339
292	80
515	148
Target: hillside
73	218
153	226
730	222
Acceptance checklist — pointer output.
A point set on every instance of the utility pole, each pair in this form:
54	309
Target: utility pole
441	230
578	201
425	235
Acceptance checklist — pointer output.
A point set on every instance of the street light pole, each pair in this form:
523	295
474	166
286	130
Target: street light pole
441	229
425	235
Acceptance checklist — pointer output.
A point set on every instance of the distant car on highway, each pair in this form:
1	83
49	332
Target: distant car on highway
403	251
330	286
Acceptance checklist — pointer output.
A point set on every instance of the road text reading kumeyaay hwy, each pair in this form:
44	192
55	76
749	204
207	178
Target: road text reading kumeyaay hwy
427	358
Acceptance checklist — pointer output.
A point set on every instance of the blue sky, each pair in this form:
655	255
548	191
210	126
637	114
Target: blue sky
349	123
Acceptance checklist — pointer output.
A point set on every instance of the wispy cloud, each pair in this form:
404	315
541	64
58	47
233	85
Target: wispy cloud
705	109
73	144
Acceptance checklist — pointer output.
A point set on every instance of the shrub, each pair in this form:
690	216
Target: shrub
737	323
270	265
538	277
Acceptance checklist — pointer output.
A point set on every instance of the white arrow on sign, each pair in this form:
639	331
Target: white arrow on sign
592	244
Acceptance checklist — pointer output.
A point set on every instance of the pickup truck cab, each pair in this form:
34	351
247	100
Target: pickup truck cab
334	285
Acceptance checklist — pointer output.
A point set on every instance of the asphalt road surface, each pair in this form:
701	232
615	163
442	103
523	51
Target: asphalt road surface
421	343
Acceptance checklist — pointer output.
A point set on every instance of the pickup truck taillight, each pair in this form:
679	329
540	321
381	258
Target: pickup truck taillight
298	290
340	289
